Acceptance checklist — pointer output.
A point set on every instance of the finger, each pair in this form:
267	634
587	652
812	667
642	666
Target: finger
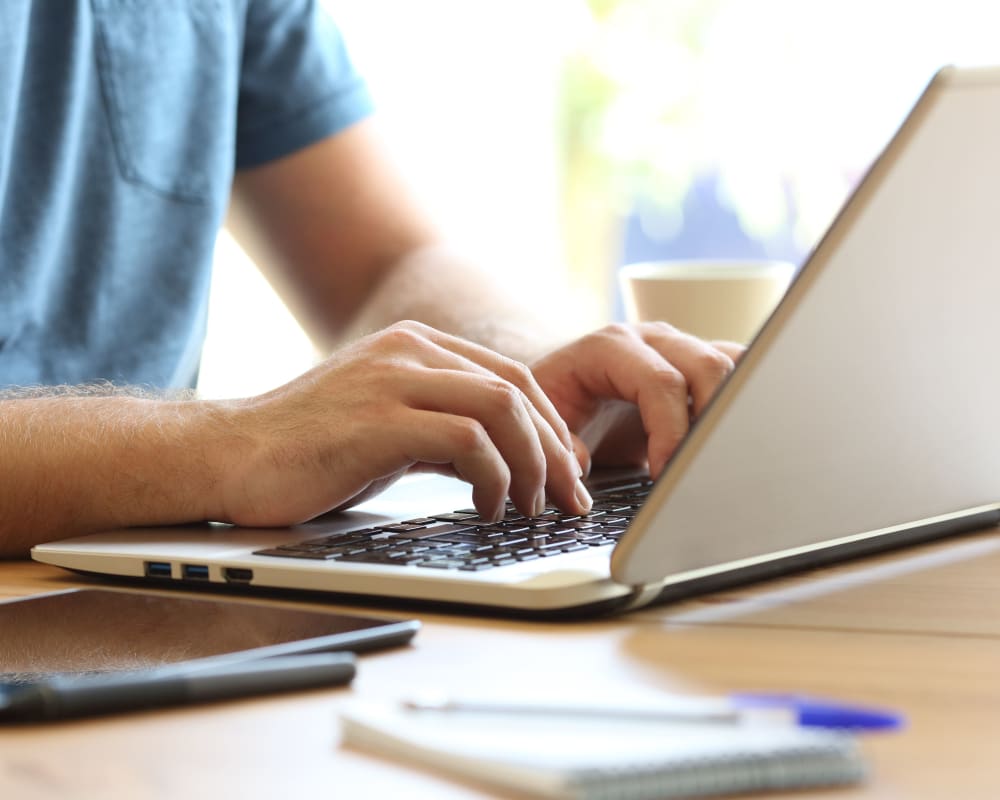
535	457
622	366
704	366
562	468
508	369
662	398
732	349
434	437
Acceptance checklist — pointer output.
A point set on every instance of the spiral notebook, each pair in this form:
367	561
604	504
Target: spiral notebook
584	759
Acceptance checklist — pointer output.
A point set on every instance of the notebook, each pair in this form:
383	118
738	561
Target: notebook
595	759
863	416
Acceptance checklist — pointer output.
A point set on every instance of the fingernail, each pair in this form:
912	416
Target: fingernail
538	508
583	496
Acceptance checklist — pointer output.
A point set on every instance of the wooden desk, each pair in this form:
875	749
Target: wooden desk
917	630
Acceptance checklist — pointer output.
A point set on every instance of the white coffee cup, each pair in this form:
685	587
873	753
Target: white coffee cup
712	299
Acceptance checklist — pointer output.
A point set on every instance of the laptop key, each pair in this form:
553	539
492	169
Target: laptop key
490	534
368	558
561	539
468	537
402	527
556	517
506	541
458	551
608	505
549	543
438	530
607	530
311	554
579	524
455	516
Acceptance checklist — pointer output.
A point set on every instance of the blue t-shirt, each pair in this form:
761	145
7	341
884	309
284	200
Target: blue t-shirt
121	124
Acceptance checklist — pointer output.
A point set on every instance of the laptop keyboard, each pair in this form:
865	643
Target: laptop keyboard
462	540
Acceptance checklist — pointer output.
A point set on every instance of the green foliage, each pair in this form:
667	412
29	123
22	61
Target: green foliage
624	92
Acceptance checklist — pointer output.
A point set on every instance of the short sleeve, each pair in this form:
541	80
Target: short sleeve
297	83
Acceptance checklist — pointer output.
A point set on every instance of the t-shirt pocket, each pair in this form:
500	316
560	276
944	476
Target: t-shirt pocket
169	76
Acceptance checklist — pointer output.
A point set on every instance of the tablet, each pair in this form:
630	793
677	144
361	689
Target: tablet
85	631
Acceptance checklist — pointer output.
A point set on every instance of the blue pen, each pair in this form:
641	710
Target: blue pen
739	708
813	712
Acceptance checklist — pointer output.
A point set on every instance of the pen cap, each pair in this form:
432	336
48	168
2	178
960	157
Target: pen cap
819	713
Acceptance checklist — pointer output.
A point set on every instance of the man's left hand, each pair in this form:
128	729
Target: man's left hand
629	392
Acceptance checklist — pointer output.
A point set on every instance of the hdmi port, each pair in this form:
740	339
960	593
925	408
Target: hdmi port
237	574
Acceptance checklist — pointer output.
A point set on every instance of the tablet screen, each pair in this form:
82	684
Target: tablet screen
96	630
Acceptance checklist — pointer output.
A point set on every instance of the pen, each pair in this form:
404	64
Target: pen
61	697
731	710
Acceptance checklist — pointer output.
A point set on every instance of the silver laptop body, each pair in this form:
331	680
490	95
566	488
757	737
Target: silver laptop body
865	415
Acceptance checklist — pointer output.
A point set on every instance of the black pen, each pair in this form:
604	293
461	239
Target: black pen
62	696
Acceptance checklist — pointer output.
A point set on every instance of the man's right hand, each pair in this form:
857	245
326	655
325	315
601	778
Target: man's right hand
403	398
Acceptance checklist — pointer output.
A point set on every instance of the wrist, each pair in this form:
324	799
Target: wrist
168	459
214	446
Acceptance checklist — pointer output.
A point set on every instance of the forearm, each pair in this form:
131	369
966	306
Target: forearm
450	291
70	465
351	250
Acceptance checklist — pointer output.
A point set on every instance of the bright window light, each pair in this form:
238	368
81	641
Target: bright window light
564	138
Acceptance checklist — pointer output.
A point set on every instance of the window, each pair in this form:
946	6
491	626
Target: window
572	136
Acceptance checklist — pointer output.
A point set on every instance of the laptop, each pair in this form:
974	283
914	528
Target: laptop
865	415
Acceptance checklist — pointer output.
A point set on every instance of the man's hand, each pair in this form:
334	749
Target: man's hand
629	392
406	397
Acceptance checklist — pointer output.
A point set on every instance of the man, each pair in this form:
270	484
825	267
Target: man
125	128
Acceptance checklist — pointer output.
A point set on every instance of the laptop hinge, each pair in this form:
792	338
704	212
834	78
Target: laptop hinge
643	595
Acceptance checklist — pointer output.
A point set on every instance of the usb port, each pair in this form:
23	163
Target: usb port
237	574
157	569
194	572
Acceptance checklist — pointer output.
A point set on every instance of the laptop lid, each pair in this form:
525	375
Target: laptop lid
863	415
870	401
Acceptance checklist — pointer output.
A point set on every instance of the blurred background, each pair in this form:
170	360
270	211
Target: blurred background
564	138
